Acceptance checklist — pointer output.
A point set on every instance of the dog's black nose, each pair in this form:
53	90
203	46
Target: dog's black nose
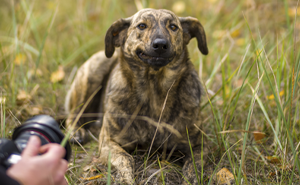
160	45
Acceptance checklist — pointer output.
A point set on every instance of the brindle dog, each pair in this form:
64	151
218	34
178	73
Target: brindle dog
148	84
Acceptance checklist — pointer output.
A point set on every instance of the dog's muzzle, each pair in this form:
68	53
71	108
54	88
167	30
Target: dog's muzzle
158	55
155	61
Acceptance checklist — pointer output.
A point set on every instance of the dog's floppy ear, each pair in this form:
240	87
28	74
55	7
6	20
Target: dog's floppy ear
193	28
115	35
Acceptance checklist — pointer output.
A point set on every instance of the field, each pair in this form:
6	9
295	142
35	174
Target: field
250	105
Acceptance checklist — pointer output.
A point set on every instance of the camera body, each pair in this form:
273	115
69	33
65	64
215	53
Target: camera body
43	126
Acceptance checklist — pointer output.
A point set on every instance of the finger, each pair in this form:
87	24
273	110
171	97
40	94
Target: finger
53	150
59	176
63	182
32	148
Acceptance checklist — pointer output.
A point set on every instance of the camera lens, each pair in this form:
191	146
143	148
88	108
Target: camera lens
43	126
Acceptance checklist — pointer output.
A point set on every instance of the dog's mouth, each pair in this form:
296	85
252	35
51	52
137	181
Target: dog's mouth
156	61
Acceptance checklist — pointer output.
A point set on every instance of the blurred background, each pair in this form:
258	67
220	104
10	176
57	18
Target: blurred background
250	75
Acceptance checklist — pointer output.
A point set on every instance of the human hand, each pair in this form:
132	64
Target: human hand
33	169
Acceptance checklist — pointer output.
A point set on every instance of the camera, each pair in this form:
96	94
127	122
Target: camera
43	126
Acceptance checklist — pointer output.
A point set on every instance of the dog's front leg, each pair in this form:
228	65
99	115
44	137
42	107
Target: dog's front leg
119	158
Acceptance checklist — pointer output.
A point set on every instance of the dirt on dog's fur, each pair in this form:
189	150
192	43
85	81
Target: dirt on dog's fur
148	91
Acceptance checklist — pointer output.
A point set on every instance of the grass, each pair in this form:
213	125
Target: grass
192	154
251	80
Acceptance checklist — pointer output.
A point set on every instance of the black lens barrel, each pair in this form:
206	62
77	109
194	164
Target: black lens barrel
43	126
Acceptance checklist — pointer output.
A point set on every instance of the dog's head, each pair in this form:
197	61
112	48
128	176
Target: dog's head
154	37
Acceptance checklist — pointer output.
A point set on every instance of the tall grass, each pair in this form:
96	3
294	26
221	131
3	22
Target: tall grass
251	43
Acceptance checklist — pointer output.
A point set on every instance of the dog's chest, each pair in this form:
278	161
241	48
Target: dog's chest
152	116
151	108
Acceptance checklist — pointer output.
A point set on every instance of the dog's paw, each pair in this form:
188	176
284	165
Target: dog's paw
124	178
124	174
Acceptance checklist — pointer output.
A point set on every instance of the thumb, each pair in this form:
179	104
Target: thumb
32	148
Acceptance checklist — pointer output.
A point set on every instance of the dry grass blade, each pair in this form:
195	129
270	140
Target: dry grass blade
126	127
164	105
92	178
159	125
233	131
138	4
154	174
73	125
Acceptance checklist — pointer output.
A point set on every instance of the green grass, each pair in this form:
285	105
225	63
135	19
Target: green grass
162	172
192	155
250	78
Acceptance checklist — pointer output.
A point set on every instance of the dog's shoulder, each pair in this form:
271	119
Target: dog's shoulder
190	88
99	63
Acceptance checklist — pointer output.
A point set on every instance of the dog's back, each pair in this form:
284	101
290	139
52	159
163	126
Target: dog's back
91	79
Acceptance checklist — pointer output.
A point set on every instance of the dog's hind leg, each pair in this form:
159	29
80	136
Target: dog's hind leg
90	80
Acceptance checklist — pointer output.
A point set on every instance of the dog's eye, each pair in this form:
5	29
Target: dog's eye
142	26
173	27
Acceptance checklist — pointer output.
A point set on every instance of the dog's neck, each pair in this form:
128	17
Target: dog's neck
156	82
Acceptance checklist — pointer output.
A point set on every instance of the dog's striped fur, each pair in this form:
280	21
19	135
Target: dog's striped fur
150	76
